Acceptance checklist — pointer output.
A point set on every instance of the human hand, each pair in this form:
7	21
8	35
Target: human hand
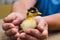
11	24
41	31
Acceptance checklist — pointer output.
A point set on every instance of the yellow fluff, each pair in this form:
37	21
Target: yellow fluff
29	22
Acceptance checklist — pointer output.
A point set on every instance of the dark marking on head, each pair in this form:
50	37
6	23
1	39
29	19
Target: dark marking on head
32	10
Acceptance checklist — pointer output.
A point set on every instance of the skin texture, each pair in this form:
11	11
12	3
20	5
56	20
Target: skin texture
12	21
53	21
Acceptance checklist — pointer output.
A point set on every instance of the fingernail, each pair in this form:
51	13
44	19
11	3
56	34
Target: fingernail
17	35
22	35
18	39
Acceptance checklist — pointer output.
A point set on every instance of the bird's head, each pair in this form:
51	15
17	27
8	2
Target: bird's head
32	12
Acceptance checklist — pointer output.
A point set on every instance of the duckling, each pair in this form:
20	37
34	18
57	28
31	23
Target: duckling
29	22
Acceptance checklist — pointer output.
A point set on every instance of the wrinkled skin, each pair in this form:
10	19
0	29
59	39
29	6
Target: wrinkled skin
11	28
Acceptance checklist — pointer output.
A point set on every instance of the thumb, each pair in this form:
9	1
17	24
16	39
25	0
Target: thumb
37	18
9	19
17	21
40	23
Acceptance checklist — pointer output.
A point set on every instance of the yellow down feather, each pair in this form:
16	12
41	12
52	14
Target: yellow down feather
29	22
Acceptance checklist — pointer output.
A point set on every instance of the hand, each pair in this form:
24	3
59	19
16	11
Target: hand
41	32
11	24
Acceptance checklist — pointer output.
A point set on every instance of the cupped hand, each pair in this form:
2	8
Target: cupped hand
11	24
41	31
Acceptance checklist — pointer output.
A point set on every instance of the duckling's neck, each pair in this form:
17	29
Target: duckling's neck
29	17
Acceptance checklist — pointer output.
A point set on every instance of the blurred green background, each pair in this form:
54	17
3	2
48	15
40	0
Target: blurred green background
5	7
5	10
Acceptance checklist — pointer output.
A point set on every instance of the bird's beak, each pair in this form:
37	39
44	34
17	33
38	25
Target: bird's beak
39	13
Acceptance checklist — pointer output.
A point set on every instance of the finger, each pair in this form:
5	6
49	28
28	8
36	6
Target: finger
16	36
18	20
27	37
34	32
11	32
9	19
18	39
44	34
7	26
45	31
41	25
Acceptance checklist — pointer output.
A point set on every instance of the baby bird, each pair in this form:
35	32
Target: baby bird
29	22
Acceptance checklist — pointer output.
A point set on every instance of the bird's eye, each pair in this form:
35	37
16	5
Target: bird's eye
32	10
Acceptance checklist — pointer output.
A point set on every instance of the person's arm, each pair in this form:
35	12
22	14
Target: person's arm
53	21
22	5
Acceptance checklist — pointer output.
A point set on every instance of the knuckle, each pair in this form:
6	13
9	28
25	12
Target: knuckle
14	30
3	26
45	34
10	32
11	25
7	26
5	19
16	35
